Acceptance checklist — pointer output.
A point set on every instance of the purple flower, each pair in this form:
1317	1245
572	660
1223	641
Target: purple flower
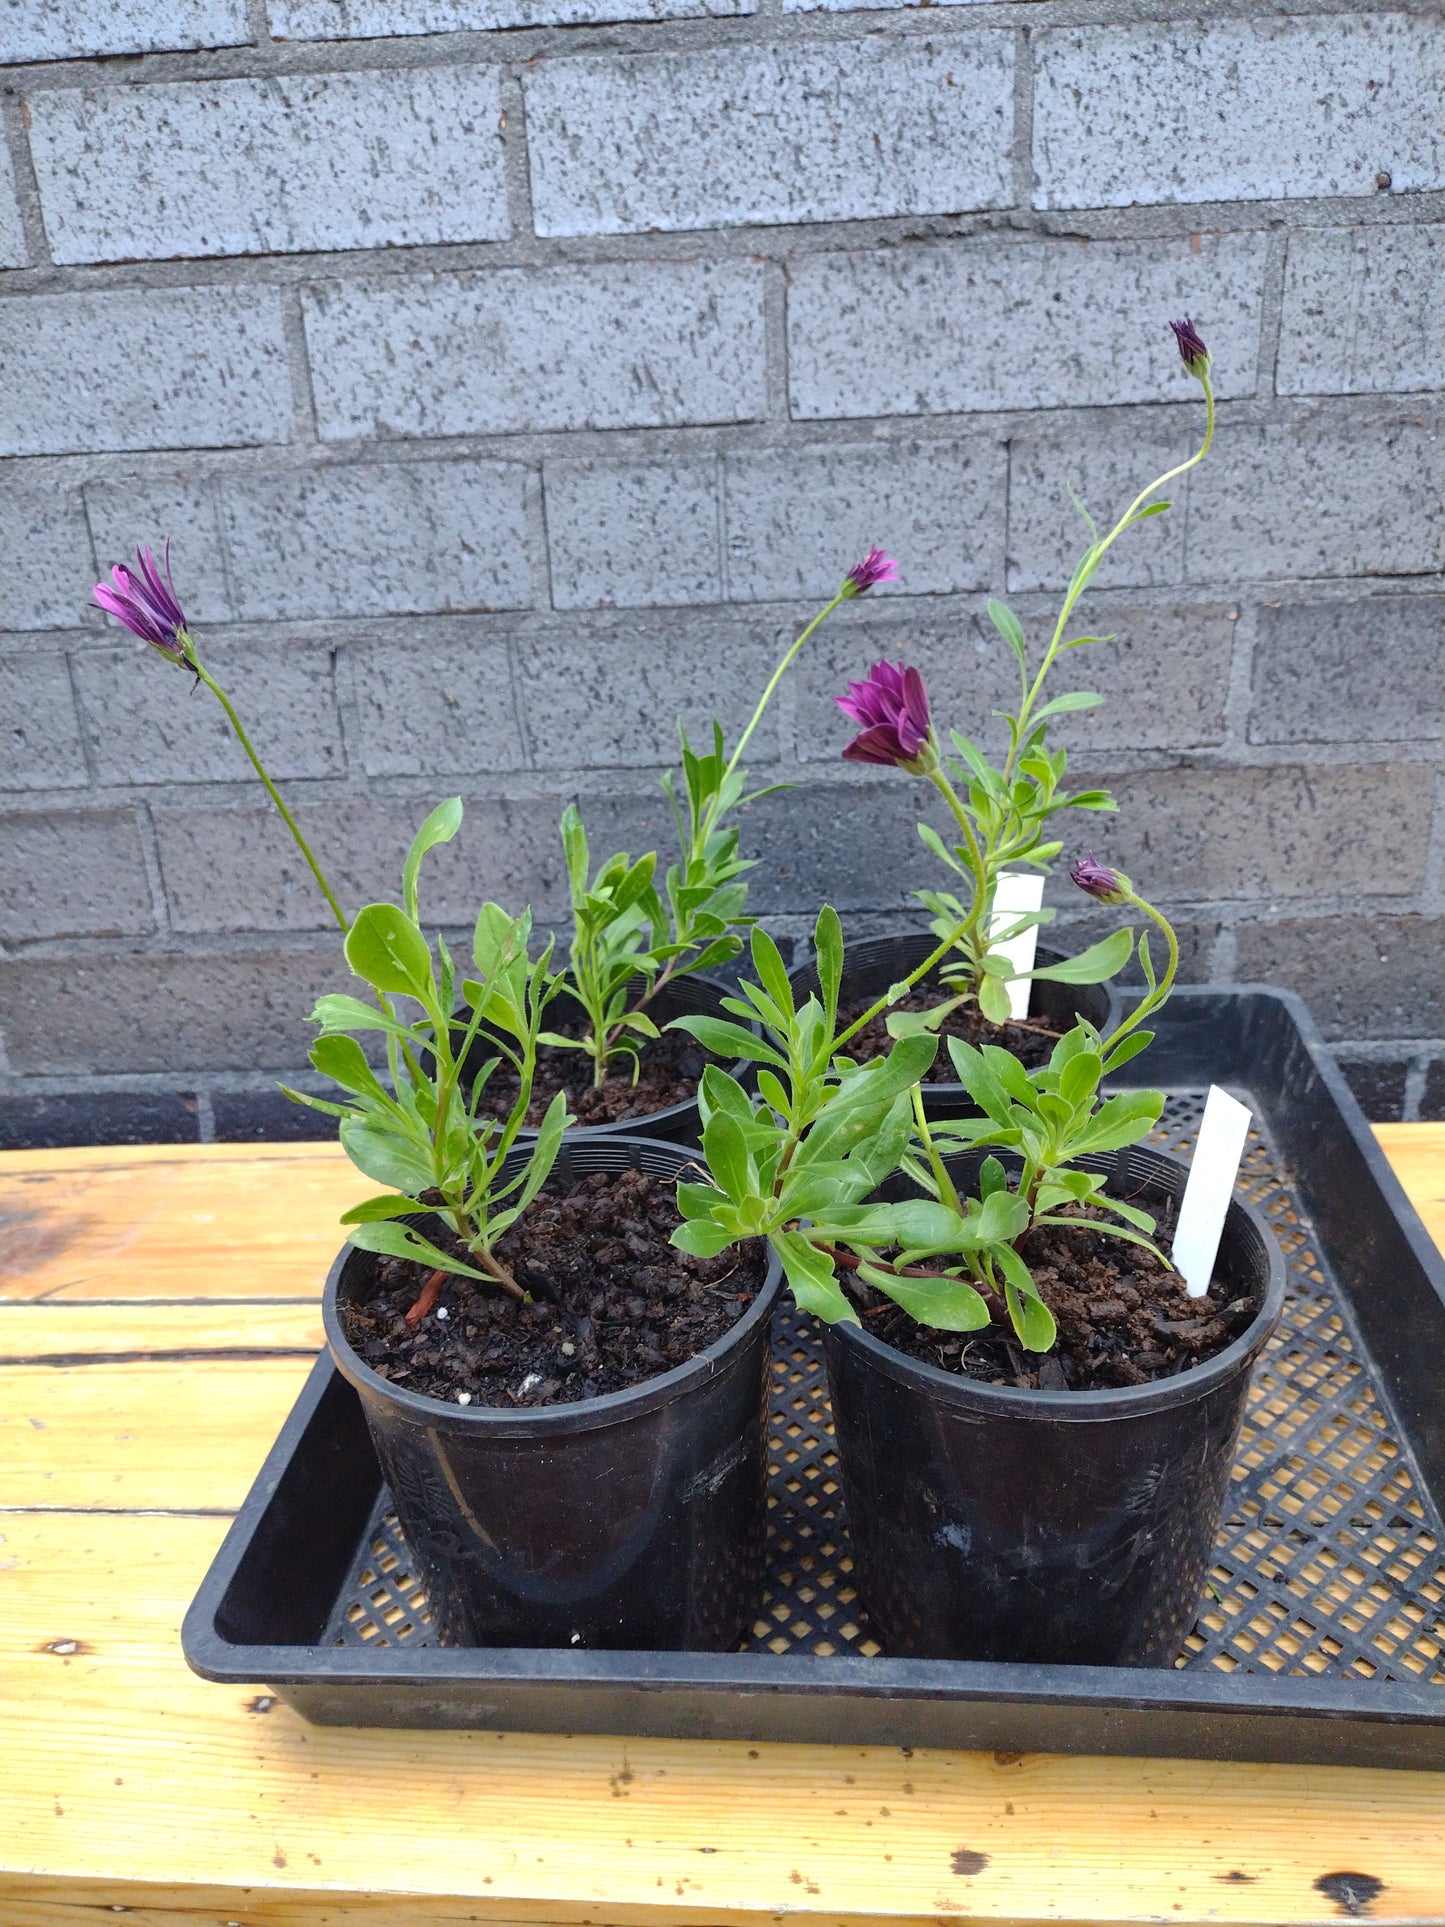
1192	351
892	706
146	605
1099	881
875	567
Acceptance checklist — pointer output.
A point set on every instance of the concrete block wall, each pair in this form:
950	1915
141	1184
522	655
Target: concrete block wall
513	375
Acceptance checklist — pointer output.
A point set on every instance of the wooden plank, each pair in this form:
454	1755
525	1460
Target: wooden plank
124	1780
144	1434
193	1221
1417	1157
72	1331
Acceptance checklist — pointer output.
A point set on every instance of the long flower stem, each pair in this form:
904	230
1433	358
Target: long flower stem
1095	557
1152	999
916	976
271	790
710	814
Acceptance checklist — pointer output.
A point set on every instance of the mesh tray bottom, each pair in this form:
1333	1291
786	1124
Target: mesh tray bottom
1328	1561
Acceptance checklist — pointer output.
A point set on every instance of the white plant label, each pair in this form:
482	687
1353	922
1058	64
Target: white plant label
1016	894
1222	1135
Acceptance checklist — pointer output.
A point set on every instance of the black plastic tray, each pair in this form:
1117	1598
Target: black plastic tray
1322	1633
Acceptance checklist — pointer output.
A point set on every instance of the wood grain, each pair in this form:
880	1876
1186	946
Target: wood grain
1417	1157
174	1221
67	1330
128	1783
141	1435
125	1773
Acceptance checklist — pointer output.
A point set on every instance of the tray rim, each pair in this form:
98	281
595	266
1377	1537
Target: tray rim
1208	1699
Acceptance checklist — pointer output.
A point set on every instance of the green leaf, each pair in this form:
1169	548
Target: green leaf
575	851
387	1155
1119	1121
400	1241
440	827
702	1239
812	1280
370	1210
316	1103
338	1013
544	1152
1033	1321
1092	966
950	1304
773	1092
828	952
386	948
1132	1045
1079	1079
719	1092
1031	1317
768	962
1004	1217
725	1153
728	1040
1065	705
344	1062
979	1081
1092	800
1010	628
991	1177
993	1000
1154	508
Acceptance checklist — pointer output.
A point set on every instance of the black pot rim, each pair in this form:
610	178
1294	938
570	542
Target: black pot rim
1086	1408
580	1415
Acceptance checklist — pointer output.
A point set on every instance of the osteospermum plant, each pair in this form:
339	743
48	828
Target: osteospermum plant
799	1161
1005	812
633	932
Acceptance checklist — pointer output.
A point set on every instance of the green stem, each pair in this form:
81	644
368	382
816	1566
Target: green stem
947	1190
710	814
935	957
1096	556
1155	997
271	790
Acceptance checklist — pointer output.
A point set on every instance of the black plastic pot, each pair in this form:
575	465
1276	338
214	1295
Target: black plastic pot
874	963
633	1520
995	1523
678	1123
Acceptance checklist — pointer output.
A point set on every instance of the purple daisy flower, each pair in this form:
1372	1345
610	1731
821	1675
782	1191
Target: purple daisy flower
146	604
1099	881
892	707
1192	351
875	567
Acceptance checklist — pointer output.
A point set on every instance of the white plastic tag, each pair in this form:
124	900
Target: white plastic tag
1016	893
1215	1165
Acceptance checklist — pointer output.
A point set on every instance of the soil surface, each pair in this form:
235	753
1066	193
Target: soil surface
671	1070
1031	1042
1123	1319
612	1302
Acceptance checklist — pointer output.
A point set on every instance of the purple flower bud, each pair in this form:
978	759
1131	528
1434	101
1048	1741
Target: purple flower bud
875	567
1099	881
892	706
1192	351
146	605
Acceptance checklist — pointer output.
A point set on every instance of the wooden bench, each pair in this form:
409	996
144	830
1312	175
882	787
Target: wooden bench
161	1311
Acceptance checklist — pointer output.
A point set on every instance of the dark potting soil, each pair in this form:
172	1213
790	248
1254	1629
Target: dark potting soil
1031	1041
1123	1318
612	1302
670	1071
